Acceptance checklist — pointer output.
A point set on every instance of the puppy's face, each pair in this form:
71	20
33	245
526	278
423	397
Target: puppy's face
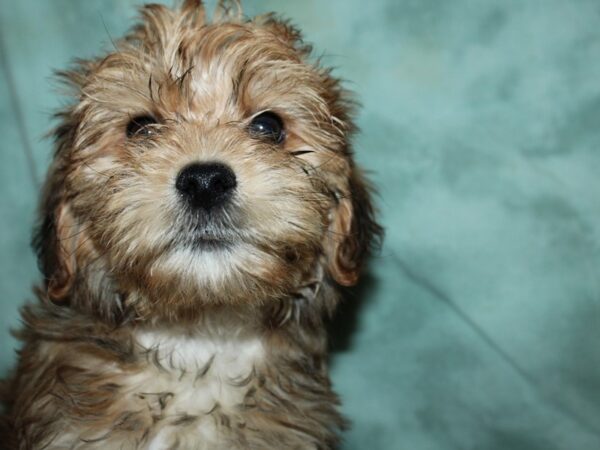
202	164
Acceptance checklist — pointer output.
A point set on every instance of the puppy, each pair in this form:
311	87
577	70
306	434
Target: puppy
201	209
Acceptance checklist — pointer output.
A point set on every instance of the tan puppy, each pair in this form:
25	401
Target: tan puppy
200	210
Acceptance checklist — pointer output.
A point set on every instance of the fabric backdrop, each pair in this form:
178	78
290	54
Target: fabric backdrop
478	326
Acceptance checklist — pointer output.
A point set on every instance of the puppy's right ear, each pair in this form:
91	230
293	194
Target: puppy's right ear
57	242
57	236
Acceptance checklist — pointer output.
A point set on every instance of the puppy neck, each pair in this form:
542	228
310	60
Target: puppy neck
197	350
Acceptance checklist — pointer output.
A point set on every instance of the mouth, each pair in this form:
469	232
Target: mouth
207	239
208	243
207	233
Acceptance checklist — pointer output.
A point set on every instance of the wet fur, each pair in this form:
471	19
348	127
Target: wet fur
141	340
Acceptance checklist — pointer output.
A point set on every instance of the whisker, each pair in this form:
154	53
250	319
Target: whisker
301	152
97	171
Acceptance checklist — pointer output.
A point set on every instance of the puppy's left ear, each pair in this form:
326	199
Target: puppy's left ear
353	232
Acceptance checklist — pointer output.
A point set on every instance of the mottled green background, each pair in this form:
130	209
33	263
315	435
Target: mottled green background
479	327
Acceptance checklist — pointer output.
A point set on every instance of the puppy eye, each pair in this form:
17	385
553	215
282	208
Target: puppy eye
267	125
141	126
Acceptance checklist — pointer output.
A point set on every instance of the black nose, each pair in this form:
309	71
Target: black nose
206	185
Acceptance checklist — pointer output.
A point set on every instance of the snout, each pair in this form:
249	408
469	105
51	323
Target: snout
206	186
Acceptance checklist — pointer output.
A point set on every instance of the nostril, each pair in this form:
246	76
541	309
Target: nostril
206	185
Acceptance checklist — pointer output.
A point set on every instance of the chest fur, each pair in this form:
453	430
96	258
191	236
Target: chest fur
192	385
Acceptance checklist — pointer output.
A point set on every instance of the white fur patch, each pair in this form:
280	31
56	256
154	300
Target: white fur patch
203	266
200	373
233	356
211	268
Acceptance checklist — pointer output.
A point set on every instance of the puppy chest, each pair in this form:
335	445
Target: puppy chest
190	385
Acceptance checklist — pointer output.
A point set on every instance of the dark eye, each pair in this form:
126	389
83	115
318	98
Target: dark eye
141	126
268	125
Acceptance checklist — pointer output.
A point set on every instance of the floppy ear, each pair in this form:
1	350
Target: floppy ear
57	236
354	233
57	252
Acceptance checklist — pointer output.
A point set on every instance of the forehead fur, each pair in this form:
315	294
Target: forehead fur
174	63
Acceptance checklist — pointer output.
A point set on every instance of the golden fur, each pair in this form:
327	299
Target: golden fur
141	340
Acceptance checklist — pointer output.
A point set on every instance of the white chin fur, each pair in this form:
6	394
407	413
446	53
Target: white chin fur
211	267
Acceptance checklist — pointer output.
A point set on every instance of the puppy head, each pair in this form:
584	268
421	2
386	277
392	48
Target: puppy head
201	164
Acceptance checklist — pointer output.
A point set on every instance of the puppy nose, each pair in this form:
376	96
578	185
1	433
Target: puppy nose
206	185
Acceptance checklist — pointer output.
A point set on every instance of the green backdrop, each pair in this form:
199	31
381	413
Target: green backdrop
479	325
